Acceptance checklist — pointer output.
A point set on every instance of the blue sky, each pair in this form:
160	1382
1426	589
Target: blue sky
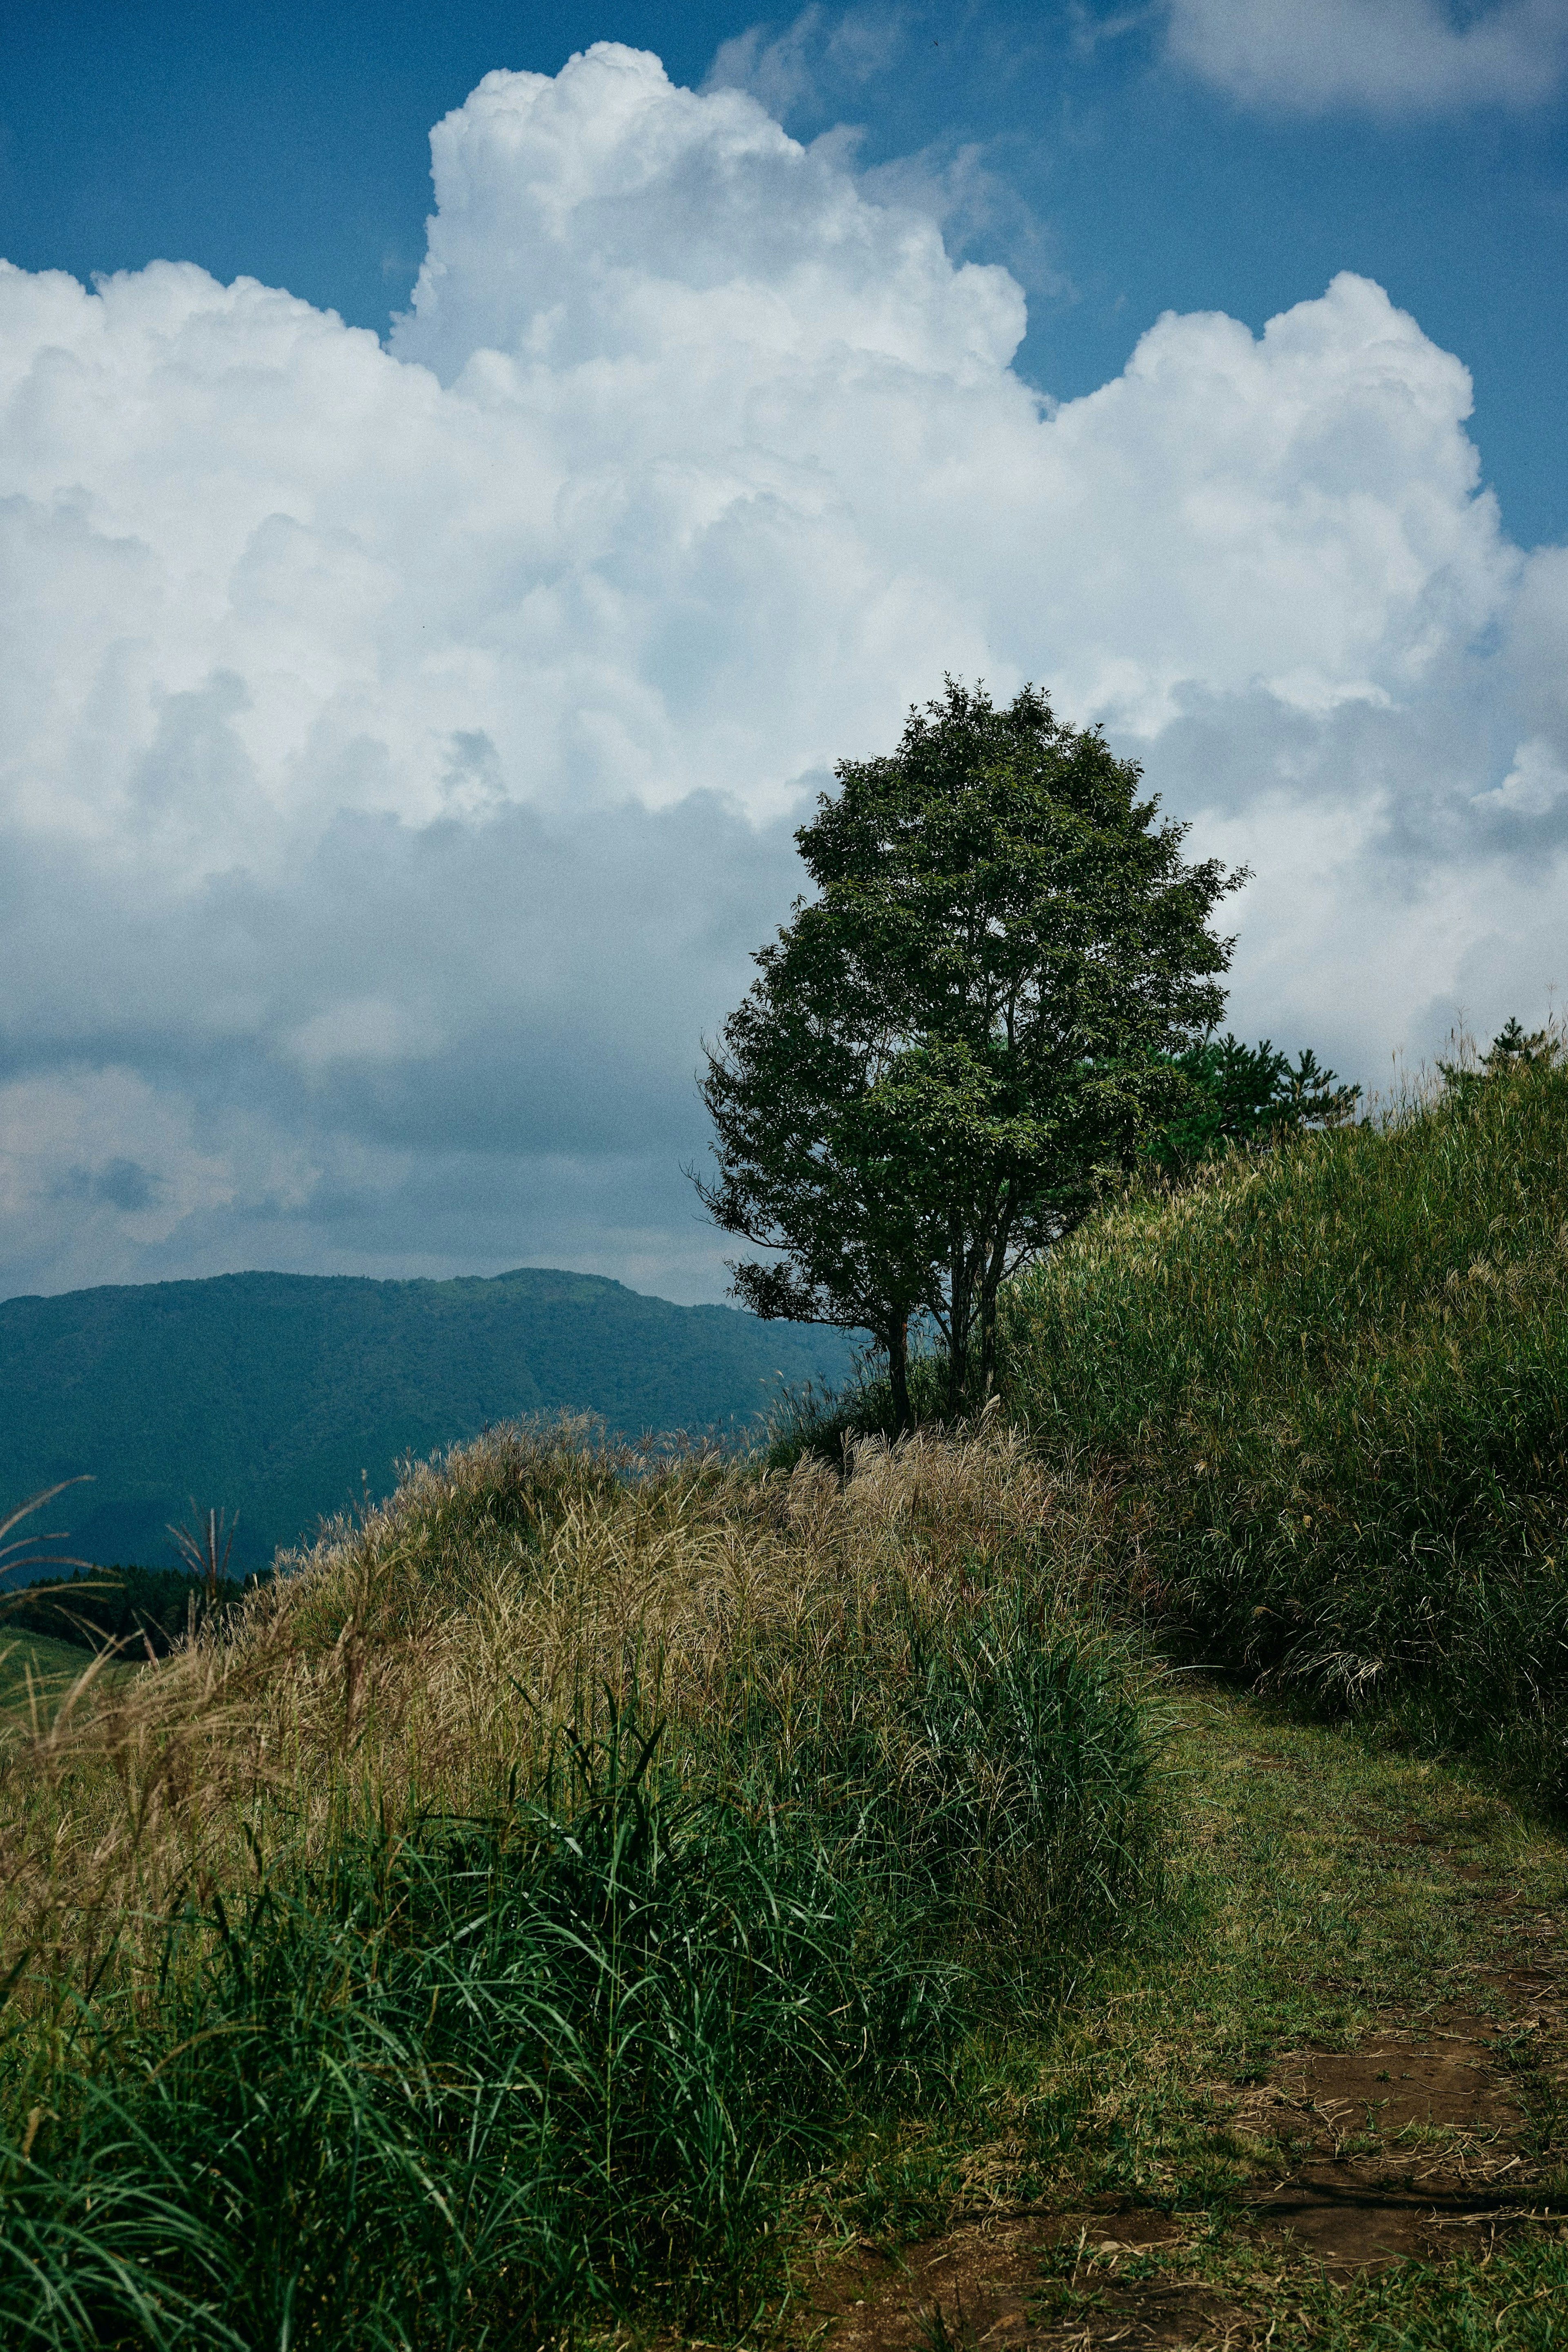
289	144
465	476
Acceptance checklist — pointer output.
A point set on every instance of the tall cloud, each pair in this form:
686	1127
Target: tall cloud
400	746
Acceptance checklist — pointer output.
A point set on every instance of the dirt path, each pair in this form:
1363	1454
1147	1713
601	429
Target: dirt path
1326	2106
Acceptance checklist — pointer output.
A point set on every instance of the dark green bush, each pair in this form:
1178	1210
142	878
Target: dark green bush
819	1421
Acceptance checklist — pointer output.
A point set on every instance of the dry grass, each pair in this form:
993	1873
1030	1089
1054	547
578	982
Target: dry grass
434	1655
489	1923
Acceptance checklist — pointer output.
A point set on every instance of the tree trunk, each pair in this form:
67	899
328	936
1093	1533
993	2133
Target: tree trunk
957	1323
898	1374
990	1284
987	1342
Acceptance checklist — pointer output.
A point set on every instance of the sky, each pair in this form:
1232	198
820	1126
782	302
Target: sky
466	475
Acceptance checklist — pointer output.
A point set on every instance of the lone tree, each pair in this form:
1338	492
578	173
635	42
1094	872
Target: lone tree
946	1054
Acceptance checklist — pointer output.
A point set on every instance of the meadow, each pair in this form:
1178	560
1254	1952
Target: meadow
598	1897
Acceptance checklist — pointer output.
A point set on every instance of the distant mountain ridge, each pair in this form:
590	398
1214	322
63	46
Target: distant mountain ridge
279	1395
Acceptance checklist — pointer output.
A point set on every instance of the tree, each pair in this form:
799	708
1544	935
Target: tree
1248	1095
1514	1048
946	1052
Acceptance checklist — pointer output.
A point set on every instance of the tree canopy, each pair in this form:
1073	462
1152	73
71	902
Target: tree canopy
974	1023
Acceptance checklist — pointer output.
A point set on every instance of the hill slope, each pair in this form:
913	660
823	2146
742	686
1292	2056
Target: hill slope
272	1393
1332	1388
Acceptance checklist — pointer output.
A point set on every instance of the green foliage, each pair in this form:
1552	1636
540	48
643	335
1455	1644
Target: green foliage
1247	1095
948	1051
288	1397
824	1421
1331	1385
1512	1049
36	1672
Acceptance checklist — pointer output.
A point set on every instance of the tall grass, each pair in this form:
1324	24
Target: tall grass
472	1941
1333	1384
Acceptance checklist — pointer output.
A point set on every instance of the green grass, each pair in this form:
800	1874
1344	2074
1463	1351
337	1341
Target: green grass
47	1663
1330	1389
1294	1916
1310	1419
494	2076
479	2080
571	1903
1297	1916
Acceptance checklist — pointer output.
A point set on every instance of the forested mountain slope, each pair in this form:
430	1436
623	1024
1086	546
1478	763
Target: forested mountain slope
278	1395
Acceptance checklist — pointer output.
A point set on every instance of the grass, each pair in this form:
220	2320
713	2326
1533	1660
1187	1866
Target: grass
472	1941
1297	1916
1307	1415
1287	1926
473	2079
1329	1384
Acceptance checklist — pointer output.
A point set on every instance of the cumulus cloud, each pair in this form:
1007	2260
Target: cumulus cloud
1391	56
398	746
809	70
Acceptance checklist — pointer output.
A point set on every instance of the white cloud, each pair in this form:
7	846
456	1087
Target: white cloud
823	61
1535	786
1392	55
813	58
398	747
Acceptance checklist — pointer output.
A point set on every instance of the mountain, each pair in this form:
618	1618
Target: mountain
283	1395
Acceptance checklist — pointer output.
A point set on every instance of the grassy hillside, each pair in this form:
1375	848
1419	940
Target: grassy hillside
476	1940
579	1908
36	1672
1331	1387
277	1394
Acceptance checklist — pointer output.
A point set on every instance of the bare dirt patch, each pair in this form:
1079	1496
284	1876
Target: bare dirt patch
1395	2145
981	2284
1406	2147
